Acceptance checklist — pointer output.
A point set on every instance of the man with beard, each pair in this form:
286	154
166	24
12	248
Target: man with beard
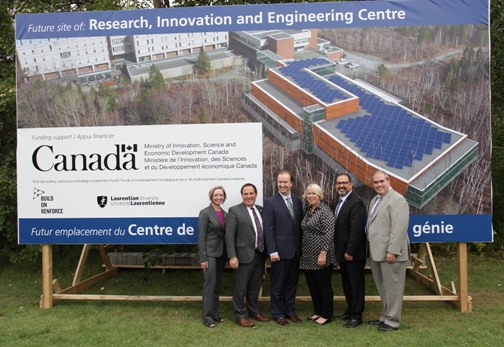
350	245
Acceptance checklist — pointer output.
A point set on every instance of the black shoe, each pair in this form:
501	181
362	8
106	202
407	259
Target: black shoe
282	321
344	316
353	323
295	319
386	327
375	322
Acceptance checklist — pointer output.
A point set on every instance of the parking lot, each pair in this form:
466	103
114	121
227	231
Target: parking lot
85	80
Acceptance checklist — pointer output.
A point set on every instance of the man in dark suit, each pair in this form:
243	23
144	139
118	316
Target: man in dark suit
350	243
282	215
387	229
247	254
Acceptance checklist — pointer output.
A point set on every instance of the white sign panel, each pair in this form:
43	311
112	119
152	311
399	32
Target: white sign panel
130	184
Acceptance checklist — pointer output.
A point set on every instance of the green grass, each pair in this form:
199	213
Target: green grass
121	323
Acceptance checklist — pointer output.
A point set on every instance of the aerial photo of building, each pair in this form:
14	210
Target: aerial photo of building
263	48
356	127
91	60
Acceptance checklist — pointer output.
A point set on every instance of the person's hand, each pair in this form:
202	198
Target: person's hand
348	257
275	258
390	258
321	261
233	263
204	265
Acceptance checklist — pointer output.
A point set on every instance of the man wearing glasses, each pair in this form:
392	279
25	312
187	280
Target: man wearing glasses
350	243
387	230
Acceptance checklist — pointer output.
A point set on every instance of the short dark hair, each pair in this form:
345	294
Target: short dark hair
383	172
286	172
347	175
248	185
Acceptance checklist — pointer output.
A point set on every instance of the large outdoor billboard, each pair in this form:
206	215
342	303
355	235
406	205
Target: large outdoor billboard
126	119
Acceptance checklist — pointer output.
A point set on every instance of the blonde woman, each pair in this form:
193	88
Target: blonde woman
212	253
317	259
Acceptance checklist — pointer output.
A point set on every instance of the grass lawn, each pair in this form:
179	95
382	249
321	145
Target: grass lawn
121	323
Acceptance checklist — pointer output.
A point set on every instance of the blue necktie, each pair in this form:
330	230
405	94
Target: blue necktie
338	207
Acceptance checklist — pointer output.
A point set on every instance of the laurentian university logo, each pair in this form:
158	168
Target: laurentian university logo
102	201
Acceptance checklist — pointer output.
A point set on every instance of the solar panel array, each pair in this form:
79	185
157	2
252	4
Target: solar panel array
390	133
306	80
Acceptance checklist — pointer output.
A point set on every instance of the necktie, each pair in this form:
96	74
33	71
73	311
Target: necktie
338	206
260	238
375	207
291	208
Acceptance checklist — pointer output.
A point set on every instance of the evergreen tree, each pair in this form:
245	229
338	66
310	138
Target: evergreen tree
203	116
156	79
203	65
110	94
382	71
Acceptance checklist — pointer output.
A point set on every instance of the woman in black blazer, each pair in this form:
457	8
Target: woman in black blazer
212	253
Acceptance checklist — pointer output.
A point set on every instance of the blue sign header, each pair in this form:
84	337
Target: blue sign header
252	17
77	231
450	228
422	228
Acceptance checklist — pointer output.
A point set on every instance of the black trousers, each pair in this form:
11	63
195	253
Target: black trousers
284	282
352	279
319	283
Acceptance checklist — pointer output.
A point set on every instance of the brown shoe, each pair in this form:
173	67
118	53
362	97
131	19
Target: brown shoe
244	322
260	318
295	319
282	321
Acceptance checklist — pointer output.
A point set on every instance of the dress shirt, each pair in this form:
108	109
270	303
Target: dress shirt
343	198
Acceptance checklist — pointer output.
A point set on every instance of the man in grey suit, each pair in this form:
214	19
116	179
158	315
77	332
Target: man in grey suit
246	251
387	230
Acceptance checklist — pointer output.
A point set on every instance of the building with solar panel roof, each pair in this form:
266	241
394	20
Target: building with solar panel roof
351	124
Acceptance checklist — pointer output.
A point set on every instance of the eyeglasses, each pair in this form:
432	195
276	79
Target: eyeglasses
342	183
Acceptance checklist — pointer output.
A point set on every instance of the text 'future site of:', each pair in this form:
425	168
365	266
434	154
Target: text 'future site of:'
127	118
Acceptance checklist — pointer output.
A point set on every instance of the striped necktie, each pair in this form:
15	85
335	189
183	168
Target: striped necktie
260	237
291	208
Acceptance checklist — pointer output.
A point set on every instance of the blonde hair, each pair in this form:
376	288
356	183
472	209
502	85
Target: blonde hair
214	188
316	189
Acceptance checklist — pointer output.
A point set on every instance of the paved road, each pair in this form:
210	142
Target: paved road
371	62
